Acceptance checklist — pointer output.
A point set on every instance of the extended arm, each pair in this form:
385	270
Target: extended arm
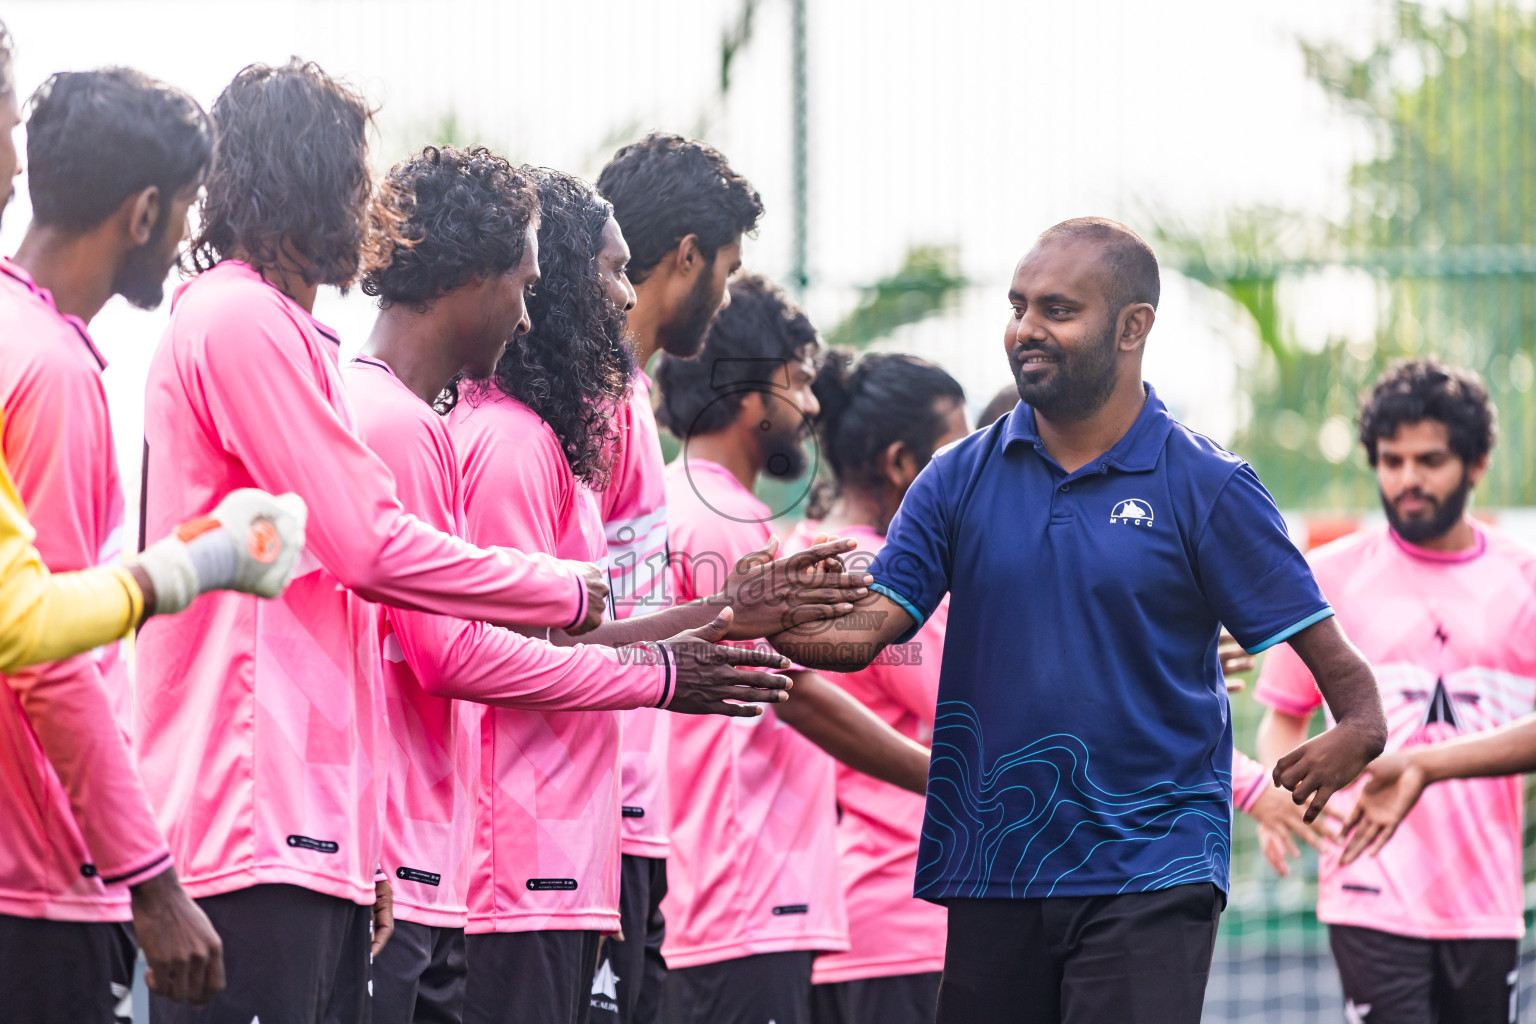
847	644
837	723
1320	767
1397	780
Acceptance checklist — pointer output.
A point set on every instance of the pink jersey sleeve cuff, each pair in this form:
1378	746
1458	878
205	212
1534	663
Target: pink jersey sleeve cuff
581	600
1273	697
146	869
668	676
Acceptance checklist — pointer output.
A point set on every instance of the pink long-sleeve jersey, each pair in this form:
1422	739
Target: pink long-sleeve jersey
260	722
431	659
890	931
635	522
753	867
546	851
77	827
1249	779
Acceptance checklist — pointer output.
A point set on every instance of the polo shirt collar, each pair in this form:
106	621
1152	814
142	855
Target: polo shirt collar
1136	452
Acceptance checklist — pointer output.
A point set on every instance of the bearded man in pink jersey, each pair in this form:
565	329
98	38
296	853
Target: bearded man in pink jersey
1443	608
261	727
754	893
533	439
452	290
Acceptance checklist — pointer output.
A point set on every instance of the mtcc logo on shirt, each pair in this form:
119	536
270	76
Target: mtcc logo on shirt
1132	512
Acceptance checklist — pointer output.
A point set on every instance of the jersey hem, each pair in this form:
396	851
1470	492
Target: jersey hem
1502	929
652	849
873	967
480	924
362	893
701	955
54	908
947	890
429	917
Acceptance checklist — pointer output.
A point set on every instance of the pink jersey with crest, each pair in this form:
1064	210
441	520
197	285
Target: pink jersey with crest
430	659
546	850
754	816
260	723
1452	641
77	825
635	524
890	931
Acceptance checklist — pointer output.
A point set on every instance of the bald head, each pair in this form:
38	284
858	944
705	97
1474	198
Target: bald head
1130	267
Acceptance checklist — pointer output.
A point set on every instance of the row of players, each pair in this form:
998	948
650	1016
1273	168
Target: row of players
262	728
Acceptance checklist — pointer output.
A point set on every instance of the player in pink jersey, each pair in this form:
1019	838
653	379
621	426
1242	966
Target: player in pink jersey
1444	610
684	211
449	300
260	727
754	892
880	423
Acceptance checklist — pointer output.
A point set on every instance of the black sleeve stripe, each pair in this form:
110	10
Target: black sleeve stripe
119	879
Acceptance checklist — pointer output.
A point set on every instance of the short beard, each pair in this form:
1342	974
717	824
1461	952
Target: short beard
141	278
1445	516
1081	384
783	454
683	335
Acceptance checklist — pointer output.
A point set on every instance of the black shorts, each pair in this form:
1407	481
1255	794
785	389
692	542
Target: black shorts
898	999
1392	979
291	956
419	976
517	977
748	990
627	986
1081	959
65	972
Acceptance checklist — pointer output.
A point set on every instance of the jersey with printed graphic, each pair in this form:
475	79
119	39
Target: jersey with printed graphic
77	825
1452	641
546	851
890	931
259	721
635	523
754	828
434	739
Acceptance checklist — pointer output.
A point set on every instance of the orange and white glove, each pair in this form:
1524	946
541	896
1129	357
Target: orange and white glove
249	543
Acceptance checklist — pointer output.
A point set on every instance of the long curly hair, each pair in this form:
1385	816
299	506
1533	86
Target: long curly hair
442	216
290	173
573	368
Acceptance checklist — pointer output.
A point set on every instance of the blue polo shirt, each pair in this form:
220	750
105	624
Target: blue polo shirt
1083	744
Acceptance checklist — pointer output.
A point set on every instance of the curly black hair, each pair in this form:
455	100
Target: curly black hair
573	368
665	187
868	405
441	217
290	173
749	343
94	138
1426	389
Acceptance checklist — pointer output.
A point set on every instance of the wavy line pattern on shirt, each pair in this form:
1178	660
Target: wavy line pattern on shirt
1022	820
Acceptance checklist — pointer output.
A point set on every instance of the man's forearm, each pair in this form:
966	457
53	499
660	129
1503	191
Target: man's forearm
852	734
659	625
1508	750
1345	680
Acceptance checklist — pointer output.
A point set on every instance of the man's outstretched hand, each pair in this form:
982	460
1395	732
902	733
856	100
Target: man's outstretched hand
771	596
1325	764
1281	824
711	679
1393	785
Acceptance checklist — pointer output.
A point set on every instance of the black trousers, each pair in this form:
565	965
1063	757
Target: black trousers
291	956
630	973
897	999
65	972
1133	958
1392	979
419	976
518	977
748	990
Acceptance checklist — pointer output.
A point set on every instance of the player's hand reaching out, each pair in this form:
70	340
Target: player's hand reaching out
770	596
1393	785
710	677
597	597
1325	764
184	954
1281	823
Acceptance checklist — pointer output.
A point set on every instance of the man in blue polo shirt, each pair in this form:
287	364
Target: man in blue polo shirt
1079	799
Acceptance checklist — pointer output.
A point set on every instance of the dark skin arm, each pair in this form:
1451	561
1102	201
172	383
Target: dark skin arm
1322	766
827	716
841	647
1398	779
